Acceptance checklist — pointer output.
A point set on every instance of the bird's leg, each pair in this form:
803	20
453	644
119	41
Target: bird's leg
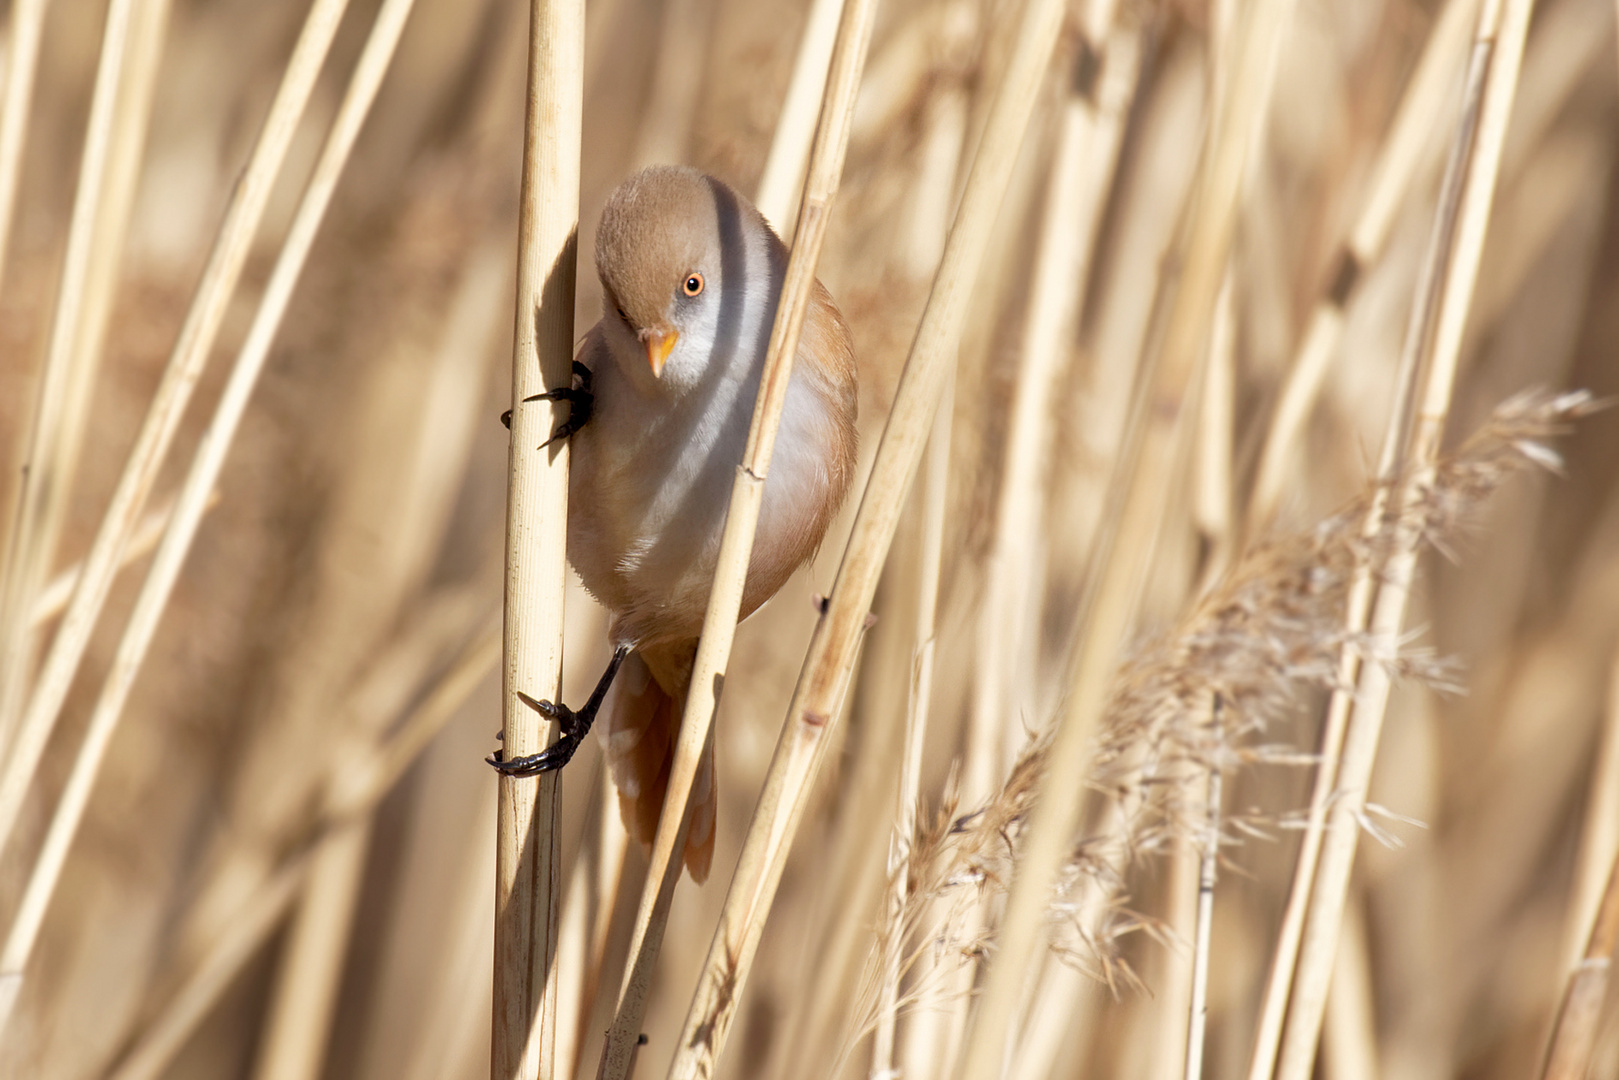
579	397
575	726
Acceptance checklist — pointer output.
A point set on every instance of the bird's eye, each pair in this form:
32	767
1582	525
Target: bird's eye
692	285
621	314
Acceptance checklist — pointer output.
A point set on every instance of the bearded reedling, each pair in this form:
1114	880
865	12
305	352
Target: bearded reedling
663	396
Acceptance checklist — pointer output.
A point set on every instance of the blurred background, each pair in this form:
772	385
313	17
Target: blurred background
346	582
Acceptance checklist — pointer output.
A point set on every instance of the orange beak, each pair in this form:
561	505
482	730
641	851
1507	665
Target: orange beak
658	346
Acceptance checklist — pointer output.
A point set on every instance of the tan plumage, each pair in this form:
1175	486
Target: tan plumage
690	275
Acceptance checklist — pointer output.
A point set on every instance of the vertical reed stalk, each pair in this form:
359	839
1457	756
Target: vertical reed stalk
1123	553
193	498
1599	831
783	177
353	797
120	107
1208	870
190	354
22	61
736	544
935	490
149	1058
54	596
299	1023
1402	157
527	872
819	694
1077	190
1279	985
1568	1057
1503	25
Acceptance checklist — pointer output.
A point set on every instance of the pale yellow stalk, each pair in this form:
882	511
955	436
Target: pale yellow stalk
299	1023
54	596
1579	1017
736	544
1503	27
193	499
783	178
1123	555
1599	831
1208	869
363	783
21	61
528	886
819	695
935	489
203	319
1401	158
1279	985
121	105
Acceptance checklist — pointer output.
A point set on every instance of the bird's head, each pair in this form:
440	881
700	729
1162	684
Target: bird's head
667	238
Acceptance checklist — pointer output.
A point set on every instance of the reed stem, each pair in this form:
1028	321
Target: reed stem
203	319
194	496
528	884
1498	52
818	698
736	543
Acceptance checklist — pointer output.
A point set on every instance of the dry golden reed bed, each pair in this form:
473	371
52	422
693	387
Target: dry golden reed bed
278	858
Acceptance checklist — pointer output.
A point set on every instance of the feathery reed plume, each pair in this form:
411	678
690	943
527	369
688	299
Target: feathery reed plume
1260	642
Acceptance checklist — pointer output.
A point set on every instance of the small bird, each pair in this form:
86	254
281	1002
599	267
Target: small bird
662	398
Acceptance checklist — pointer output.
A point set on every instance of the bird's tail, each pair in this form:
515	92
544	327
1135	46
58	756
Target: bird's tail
637	725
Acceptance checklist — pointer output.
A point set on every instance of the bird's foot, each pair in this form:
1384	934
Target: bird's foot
581	401
575	726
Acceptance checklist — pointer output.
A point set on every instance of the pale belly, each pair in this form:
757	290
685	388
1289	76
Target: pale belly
647	510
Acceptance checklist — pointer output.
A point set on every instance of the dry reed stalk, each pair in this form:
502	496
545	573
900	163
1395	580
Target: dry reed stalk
1402	157
54	596
149	1057
574	960
1350	1034
298	1023
1078	188
193	497
527	871
677	80
1279	985
612	846
1599	831
783	178
819	694
736	543
455	1018
1568	1056
1124	548
893	655
21	62
1503	28
1214	442
934	500
355	786
120	108
1198	1013
190	354
1089	138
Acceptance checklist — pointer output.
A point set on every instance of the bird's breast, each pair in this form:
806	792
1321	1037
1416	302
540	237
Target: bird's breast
649	489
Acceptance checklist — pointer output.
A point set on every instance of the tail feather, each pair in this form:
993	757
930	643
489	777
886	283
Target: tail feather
637	727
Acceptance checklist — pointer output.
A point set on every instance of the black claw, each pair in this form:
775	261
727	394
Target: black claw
551	758
580	404
575	726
